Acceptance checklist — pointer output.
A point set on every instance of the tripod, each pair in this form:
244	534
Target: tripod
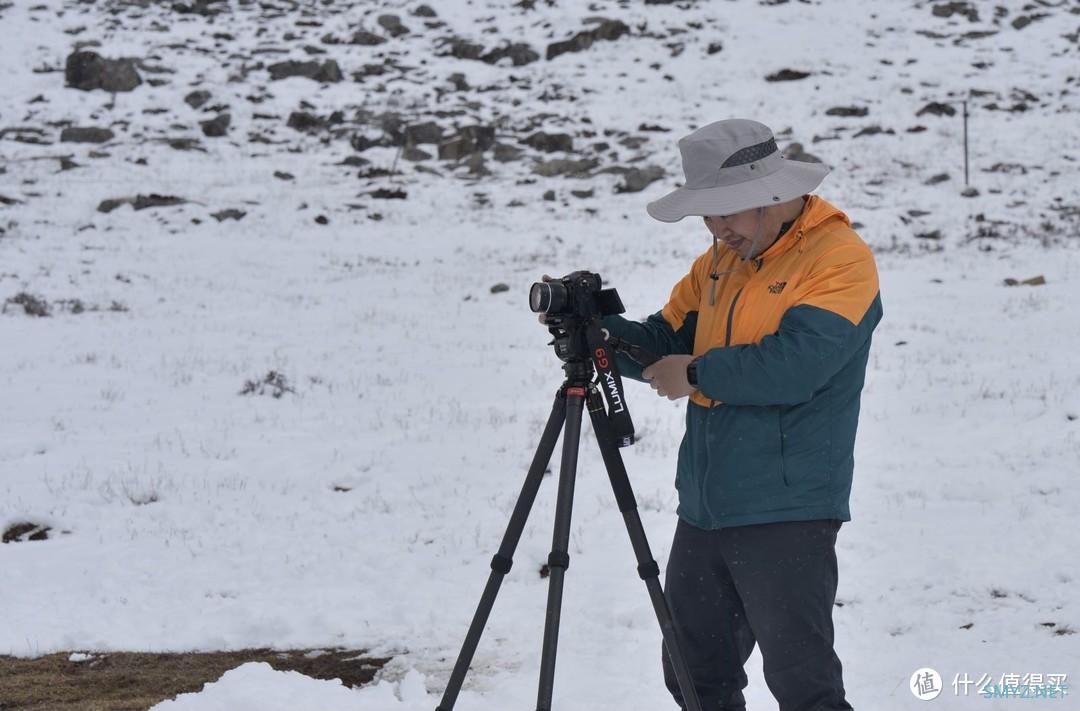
576	392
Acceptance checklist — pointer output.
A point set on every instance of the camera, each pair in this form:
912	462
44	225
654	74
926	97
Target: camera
577	295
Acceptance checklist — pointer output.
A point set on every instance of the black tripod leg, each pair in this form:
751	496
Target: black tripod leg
559	560
500	564
648	570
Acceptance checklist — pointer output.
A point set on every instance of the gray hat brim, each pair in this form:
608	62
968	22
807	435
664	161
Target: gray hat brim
793	180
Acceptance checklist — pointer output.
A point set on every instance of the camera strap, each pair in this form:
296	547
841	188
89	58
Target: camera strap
622	427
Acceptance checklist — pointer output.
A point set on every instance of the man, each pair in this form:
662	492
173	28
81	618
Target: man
768	335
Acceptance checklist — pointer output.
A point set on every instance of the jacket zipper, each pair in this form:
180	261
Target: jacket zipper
702	495
731	316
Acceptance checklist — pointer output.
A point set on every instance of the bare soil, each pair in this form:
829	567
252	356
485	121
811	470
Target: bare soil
127	681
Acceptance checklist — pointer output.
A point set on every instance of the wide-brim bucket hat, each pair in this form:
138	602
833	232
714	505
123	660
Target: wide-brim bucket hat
731	166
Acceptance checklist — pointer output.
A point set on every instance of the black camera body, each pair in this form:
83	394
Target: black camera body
577	295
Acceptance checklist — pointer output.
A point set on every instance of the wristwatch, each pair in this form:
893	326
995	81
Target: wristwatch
691	371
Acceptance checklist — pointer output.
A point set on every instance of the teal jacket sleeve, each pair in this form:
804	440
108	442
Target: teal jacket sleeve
654	334
668	331
789	366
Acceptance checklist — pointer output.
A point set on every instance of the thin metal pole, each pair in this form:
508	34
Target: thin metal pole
965	144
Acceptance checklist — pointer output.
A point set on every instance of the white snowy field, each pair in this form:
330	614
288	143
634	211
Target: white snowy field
361	508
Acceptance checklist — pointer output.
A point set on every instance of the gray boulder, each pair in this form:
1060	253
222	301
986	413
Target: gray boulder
87	71
85	135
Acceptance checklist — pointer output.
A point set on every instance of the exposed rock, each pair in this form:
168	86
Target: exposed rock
85	135
32	306
483	137
424	11
304	121
469	140
388	194
361	142
500	288
873	131
606	30
25	531
196	99
206	8
217	126
141	202
362	38
414	154
787	75
455	148
1033	281
184	144
549	142
563	166
87	71
427	132
637	179
504	153
714	47
328	71
519	53
392	24
937	109
948	9
1024	20
848	111
463	49
459	82
229	214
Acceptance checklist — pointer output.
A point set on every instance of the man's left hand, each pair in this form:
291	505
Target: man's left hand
667	376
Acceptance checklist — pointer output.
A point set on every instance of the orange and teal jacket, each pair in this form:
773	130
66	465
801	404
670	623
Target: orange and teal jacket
783	345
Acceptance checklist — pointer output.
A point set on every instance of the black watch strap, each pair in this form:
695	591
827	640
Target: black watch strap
691	371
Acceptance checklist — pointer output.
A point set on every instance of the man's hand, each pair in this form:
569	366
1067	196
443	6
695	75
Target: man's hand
667	376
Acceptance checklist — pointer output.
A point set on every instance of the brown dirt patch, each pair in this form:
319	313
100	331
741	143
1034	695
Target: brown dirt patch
126	681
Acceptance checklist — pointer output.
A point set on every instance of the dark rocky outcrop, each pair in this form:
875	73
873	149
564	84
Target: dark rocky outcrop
328	71
606	30
86	71
85	135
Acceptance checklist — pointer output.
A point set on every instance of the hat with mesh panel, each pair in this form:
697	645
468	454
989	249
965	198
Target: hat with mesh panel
732	166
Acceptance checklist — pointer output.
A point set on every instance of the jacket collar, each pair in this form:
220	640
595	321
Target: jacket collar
816	212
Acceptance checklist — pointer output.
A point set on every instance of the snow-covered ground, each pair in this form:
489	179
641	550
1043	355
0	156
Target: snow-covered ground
360	508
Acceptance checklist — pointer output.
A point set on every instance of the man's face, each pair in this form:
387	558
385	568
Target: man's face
739	232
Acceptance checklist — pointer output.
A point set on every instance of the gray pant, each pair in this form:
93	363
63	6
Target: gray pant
773	584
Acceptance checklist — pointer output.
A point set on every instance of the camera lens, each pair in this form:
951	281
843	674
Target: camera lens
539	298
549	297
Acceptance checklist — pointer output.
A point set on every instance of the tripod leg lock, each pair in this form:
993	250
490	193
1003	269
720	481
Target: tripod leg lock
501	564
558	560
648	570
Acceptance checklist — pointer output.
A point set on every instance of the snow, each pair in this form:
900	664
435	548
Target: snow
186	516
